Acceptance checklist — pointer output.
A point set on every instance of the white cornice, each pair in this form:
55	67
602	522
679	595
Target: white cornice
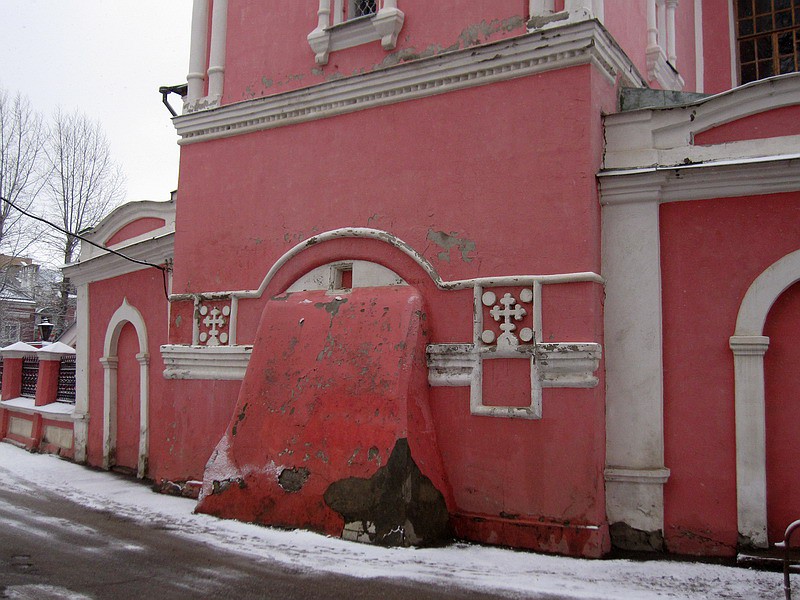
581	43
666	136
106	265
124	215
205	362
747	177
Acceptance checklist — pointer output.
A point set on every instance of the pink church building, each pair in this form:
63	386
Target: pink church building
515	272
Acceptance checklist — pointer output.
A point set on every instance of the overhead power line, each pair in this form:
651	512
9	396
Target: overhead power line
161	268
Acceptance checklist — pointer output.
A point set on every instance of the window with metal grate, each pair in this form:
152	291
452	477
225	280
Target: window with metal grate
361	8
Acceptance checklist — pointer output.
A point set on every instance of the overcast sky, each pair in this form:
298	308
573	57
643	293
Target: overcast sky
108	59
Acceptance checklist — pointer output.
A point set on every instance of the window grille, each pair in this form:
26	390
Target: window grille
66	380
30	373
768	38
362	8
1	372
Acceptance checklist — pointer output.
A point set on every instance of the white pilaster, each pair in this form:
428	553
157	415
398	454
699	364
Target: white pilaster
635	471
143	358
751	472
110	364
81	414
216	63
699	60
197	50
671	52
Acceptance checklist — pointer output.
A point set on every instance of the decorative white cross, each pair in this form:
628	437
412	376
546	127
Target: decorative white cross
215	321
506	314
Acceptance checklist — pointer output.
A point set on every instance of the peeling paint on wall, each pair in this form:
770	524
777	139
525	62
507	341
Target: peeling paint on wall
451	240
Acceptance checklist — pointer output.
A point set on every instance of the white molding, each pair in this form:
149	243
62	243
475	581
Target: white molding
126	313
385	25
723	179
83	345
580	43
205	362
749	346
763	293
699	58
128	213
564	364
657	476
661	71
732	41
105	265
55	411
643	138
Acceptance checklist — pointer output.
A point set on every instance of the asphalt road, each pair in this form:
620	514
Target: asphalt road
52	548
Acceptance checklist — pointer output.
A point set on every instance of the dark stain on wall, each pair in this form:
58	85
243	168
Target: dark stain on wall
397	506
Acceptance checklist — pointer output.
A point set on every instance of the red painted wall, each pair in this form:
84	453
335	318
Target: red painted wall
717	46
128	399
131	230
267	52
187	418
782	382
706	271
771	123
486	166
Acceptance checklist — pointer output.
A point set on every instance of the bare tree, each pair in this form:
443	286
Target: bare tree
22	137
82	184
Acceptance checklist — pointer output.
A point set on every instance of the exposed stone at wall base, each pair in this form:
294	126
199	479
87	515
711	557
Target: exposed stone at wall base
625	537
397	506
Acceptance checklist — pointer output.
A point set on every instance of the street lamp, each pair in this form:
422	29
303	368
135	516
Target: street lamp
45	329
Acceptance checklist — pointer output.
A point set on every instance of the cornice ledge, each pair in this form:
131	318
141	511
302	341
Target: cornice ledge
107	265
205	362
573	44
720	179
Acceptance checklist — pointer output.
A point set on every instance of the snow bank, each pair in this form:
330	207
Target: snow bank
482	568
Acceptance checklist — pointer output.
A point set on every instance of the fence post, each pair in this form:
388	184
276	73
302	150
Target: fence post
49	367
12	369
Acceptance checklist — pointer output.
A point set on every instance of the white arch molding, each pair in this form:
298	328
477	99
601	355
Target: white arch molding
749	346
126	313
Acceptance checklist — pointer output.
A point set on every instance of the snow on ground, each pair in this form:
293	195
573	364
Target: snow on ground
507	572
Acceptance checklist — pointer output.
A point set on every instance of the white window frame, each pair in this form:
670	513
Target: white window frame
333	32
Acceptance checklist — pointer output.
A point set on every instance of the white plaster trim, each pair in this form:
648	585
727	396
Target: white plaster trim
732	41
647	137
580	43
125	215
560	364
749	346
723	179
55	411
633	359
661	71
81	414
105	265
126	313
657	476
699	58
763	293
385	25
364	233
205	362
